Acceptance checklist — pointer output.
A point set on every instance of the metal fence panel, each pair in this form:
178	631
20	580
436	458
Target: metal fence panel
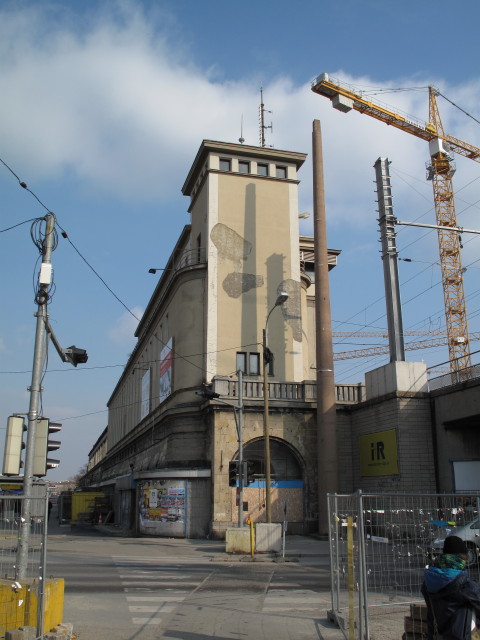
380	545
11	499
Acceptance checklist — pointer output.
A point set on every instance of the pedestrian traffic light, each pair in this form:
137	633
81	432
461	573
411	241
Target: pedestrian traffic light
249	472
12	455
232	473
43	444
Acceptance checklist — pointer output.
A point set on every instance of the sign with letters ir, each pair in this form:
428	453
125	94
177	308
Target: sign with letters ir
378	453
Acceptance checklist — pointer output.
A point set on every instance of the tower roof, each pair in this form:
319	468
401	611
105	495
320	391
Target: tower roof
262	153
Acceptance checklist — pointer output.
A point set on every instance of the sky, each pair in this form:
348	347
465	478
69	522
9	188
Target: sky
103	108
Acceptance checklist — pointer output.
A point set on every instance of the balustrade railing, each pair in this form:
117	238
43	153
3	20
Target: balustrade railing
289	391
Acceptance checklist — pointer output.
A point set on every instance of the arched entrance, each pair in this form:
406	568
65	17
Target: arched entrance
286	483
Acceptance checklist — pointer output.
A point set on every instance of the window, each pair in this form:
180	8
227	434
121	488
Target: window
242	362
262	169
281	172
243	167
199	248
225	164
253	361
254	364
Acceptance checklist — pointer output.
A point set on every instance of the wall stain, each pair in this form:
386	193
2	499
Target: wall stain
229	243
237	283
291	308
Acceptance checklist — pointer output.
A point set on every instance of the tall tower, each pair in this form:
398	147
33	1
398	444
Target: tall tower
244	214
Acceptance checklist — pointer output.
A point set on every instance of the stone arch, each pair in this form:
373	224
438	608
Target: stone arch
287	471
285	461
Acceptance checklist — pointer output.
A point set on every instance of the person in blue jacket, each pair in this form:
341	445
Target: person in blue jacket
451	596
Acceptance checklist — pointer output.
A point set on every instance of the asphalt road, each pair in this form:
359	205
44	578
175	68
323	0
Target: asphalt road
175	589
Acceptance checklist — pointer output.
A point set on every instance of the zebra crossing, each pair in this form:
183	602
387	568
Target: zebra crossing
155	587
287	599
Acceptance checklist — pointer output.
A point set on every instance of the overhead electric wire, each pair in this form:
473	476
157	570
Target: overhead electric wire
65	235
17	225
460	108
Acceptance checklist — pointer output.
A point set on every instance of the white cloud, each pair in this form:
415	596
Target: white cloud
124	330
123	107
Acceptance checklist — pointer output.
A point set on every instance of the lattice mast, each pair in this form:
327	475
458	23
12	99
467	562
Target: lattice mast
440	171
261	115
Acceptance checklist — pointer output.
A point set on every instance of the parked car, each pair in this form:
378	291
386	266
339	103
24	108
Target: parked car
470	532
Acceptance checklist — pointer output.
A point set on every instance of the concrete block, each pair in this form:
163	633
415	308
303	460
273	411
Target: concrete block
238	540
396	376
64	630
22	633
268	537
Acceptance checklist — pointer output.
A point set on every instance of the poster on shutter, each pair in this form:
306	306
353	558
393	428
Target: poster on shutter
162	507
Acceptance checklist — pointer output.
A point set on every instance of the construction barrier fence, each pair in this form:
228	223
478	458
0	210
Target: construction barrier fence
380	545
22	601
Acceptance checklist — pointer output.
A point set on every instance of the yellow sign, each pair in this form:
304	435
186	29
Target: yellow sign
378	453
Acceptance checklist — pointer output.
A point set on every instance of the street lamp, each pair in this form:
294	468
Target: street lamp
267	359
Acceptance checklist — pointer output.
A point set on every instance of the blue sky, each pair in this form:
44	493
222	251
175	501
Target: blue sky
104	105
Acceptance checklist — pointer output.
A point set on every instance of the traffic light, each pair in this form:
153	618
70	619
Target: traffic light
12	455
43	444
232	473
248	472
75	356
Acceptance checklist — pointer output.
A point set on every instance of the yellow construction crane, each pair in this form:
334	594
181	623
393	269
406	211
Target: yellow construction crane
440	171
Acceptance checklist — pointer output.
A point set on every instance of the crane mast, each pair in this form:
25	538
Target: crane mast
440	172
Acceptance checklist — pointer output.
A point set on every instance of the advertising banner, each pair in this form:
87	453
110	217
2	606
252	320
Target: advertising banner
166	362
145	404
379	454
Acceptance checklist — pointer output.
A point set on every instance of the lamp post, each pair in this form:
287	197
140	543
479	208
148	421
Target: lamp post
238	416
267	358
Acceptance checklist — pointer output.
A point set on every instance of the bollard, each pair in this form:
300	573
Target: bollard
252	537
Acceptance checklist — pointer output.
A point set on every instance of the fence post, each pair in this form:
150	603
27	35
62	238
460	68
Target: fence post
43	570
363	585
351	579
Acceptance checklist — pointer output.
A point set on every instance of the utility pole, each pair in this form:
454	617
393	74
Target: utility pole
326	399
388	235
41	299
240	447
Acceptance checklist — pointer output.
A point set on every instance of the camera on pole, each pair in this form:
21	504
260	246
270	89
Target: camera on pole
75	356
207	392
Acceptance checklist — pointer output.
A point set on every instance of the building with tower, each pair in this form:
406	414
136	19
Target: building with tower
166	452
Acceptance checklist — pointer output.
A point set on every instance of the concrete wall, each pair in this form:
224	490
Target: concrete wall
456	412
409	416
179	317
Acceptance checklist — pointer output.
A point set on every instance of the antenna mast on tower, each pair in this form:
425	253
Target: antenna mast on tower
263	126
